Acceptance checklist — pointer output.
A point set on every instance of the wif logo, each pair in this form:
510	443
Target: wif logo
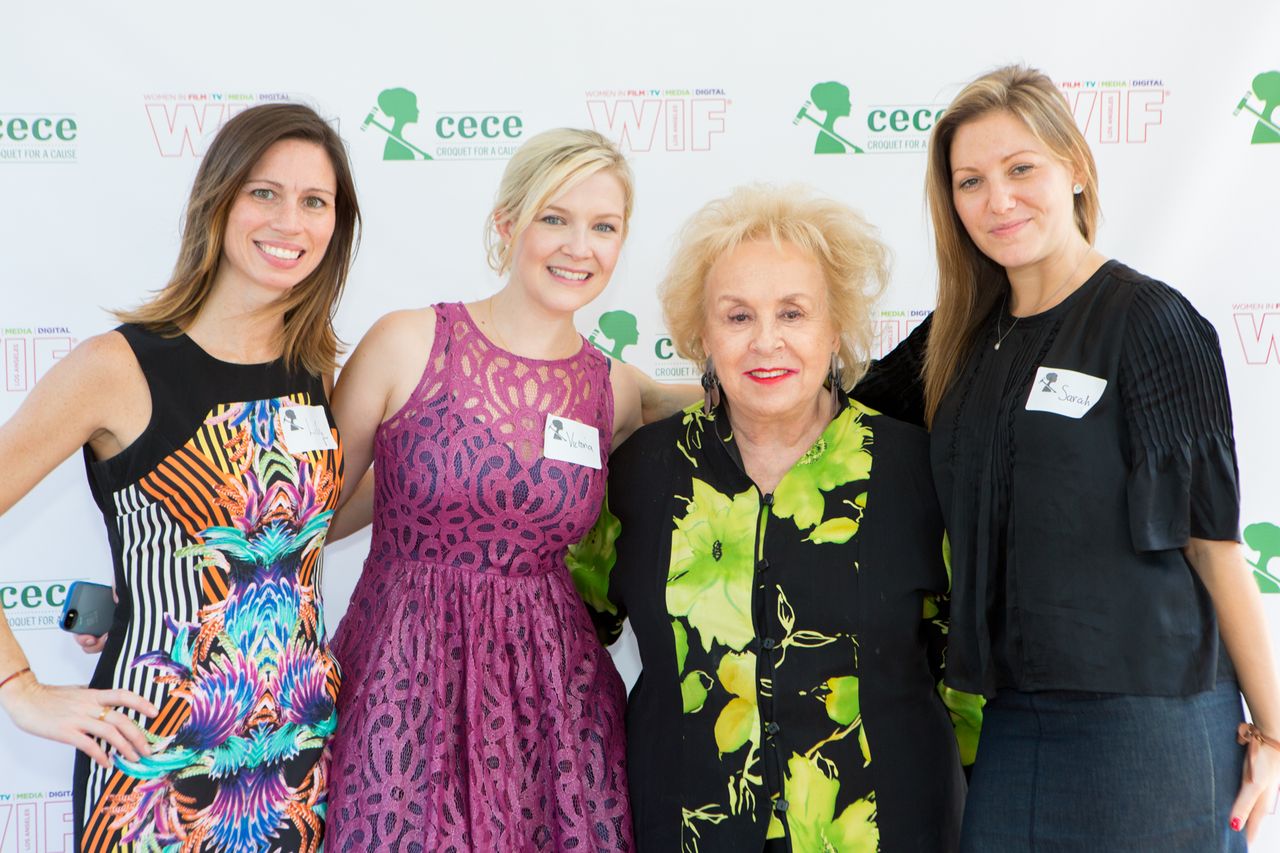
892	327
1266	88
1258	328
1116	111
690	119
466	135
29	352
184	124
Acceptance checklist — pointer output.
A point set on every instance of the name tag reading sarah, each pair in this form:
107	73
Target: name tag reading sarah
566	440
305	428
1064	392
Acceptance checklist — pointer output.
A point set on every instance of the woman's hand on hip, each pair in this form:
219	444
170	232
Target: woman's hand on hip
80	717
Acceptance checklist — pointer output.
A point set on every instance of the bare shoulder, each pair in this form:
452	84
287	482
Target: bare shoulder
387	364
403	333
95	394
102	366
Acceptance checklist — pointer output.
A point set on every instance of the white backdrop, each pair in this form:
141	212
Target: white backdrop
104	109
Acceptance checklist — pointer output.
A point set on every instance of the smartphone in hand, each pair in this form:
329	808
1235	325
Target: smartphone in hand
89	609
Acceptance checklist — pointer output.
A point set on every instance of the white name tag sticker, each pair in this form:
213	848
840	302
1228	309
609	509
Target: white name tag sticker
305	428
566	440
1064	392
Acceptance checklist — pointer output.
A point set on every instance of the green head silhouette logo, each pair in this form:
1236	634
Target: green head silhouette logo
395	109
832	100
1266	88
619	327
1264	538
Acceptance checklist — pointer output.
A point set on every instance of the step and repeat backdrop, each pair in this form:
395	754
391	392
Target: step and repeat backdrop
105	111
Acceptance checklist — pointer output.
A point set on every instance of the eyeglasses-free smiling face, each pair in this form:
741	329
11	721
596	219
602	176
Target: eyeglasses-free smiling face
282	219
768	330
566	255
1013	195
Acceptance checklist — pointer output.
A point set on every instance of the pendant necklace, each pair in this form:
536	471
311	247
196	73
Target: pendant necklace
1004	303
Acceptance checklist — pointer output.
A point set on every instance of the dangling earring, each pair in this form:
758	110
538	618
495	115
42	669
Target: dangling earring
710	388
833	377
1077	189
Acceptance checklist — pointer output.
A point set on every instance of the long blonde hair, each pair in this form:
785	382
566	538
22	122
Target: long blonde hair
308	338
969	283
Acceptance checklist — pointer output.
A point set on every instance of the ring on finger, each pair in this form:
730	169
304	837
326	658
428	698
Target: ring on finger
102	713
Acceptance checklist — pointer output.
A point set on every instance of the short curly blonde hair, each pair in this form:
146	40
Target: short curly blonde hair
545	166
854	263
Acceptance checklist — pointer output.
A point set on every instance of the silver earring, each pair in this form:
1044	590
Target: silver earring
833	377
1077	189
710	388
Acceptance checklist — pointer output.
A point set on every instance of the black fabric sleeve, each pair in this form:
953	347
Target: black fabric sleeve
1183	476
894	385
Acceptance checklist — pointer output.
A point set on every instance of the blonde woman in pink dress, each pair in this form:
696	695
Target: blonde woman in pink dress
478	710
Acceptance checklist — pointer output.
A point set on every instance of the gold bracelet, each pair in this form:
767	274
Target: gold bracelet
22	671
1249	732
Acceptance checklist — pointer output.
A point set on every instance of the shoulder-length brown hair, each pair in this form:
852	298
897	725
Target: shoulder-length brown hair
969	283
308	339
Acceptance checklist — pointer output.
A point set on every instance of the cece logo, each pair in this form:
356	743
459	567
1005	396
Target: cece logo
38	138
32	596
22	128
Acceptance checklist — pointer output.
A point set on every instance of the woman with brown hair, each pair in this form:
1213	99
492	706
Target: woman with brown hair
210	451
1083	454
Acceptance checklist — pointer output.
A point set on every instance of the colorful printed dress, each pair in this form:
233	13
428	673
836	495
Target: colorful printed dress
216	516
791	643
480	712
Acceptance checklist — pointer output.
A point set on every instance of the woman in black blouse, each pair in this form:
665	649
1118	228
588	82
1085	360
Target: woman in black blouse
780	554
1083	454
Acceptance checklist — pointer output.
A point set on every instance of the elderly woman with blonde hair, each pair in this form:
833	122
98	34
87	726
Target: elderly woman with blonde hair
779	551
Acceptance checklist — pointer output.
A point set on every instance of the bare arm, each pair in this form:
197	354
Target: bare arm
356	512
639	399
1243	625
375	383
95	396
660	400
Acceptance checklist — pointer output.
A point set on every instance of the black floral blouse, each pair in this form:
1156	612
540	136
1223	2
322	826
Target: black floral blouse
791	643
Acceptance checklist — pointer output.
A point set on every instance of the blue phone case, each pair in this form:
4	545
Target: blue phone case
88	609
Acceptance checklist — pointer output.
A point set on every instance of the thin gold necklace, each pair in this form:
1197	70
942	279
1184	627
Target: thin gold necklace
1004	303
493	326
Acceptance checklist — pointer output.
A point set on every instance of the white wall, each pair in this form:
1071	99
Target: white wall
90	221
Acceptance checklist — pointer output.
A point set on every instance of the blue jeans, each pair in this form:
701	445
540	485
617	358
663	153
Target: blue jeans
1062	772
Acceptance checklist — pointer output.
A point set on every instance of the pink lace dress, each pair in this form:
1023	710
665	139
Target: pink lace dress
478	711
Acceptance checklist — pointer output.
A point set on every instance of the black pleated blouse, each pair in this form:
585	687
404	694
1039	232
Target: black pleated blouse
1072	465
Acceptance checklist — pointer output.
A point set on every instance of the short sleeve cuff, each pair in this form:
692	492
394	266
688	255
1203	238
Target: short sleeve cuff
1187	491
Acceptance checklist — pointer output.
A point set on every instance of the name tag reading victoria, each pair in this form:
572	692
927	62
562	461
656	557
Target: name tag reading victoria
566	440
305	428
1064	392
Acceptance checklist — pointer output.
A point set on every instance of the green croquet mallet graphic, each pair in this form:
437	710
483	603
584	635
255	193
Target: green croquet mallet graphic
400	107
1247	107
1266	88
804	114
